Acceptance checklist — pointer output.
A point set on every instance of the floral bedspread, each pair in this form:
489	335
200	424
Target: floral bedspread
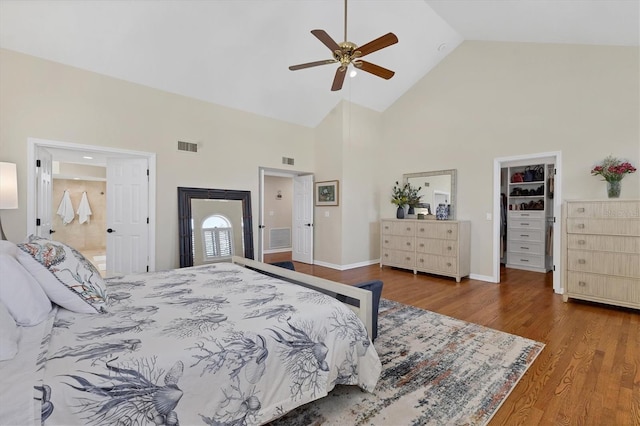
213	345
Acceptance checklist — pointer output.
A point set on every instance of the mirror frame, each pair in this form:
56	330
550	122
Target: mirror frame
185	195
454	191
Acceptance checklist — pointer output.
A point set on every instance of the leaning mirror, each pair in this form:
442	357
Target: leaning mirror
214	224
437	187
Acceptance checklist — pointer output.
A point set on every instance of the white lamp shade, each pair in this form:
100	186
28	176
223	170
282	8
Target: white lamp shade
8	186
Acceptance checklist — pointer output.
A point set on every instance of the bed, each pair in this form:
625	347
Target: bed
220	344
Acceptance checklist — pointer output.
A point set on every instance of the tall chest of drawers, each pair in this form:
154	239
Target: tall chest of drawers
601	251
437	247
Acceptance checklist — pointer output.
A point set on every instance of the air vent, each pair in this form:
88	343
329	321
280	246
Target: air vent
287	160
187	146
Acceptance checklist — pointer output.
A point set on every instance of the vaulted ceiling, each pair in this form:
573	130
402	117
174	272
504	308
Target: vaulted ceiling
236	53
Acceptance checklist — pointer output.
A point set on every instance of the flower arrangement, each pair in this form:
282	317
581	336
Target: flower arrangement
612	169
413	195
400	195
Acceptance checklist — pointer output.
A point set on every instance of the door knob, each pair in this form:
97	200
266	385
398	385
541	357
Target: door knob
51	231
308	224
111	230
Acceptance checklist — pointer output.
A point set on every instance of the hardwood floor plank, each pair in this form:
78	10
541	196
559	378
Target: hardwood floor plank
589	371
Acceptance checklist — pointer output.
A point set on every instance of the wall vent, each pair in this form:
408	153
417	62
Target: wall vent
279	238
187	146
287	160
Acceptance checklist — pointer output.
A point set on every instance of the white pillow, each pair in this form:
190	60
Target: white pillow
9	334
64	274
21	293
8	248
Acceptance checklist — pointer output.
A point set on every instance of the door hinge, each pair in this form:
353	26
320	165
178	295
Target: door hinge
37	163
554	267
147	268
554	172
37	222
554	219
147	221
147	172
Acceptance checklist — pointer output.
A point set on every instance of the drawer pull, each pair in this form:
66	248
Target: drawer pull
386	227
421	260
524	235
386	241
421	229
407	258
448	263
421	244
408	229
524	248
408	244
449	248
386	255
524	214
449	231
581	210
524	260
582	283
524	223
581	225
582	242
582	261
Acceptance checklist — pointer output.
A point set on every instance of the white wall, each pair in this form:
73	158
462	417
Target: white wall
490	99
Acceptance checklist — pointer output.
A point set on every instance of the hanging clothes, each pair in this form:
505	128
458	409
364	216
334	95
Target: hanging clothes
84	210
65	209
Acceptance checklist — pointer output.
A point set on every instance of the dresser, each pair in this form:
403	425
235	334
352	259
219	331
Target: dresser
601	251
438	247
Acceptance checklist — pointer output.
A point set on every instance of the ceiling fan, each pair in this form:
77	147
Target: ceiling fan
348	53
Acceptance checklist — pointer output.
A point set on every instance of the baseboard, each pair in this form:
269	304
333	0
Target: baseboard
486	278
280	250
346	267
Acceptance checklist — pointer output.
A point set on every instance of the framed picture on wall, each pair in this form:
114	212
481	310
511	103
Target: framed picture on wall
327	193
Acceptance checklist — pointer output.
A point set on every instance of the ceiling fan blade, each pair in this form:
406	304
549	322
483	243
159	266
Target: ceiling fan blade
326	39
312	64
374	69
377	44
338	80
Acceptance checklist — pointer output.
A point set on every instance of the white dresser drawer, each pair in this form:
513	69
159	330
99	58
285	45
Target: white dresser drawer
526	214
606	210
441	230
606	263
402	259
534	235
440	247
615	243
397	242
526	247
522	259
444	264
399	227
614	288
537	224
630	227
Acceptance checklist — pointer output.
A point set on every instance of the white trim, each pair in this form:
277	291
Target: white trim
280	250
498	164
486	278
347	267
32	143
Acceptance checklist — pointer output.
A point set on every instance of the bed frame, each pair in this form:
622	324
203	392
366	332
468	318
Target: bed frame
320	284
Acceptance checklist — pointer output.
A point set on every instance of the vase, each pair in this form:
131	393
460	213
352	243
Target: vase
442	212
400	212
613	189
411	210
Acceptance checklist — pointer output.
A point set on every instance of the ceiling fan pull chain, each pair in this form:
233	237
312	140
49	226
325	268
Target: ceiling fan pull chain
345	21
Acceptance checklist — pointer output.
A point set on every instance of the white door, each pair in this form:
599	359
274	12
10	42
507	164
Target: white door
261	219
44	189
127	215
303	219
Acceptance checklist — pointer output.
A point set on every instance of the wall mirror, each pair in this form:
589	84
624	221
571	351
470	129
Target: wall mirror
213	225
437	187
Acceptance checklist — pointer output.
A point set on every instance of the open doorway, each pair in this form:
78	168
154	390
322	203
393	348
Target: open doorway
530	196
286	215
91	172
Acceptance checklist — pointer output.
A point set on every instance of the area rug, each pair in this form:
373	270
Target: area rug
437	370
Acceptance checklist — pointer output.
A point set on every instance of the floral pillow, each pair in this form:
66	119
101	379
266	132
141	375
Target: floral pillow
64	274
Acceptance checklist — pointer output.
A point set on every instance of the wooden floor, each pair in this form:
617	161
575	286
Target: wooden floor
589	371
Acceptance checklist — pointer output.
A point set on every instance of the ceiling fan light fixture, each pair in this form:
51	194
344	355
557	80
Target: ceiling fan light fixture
353	72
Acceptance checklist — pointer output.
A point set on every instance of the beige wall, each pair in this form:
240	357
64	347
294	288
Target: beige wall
90	235
46	100
278	212
485	100
489	100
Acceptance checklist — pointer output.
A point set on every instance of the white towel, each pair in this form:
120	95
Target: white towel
65	210
84	211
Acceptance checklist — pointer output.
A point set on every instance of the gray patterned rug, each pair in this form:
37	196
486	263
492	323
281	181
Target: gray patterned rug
437	370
